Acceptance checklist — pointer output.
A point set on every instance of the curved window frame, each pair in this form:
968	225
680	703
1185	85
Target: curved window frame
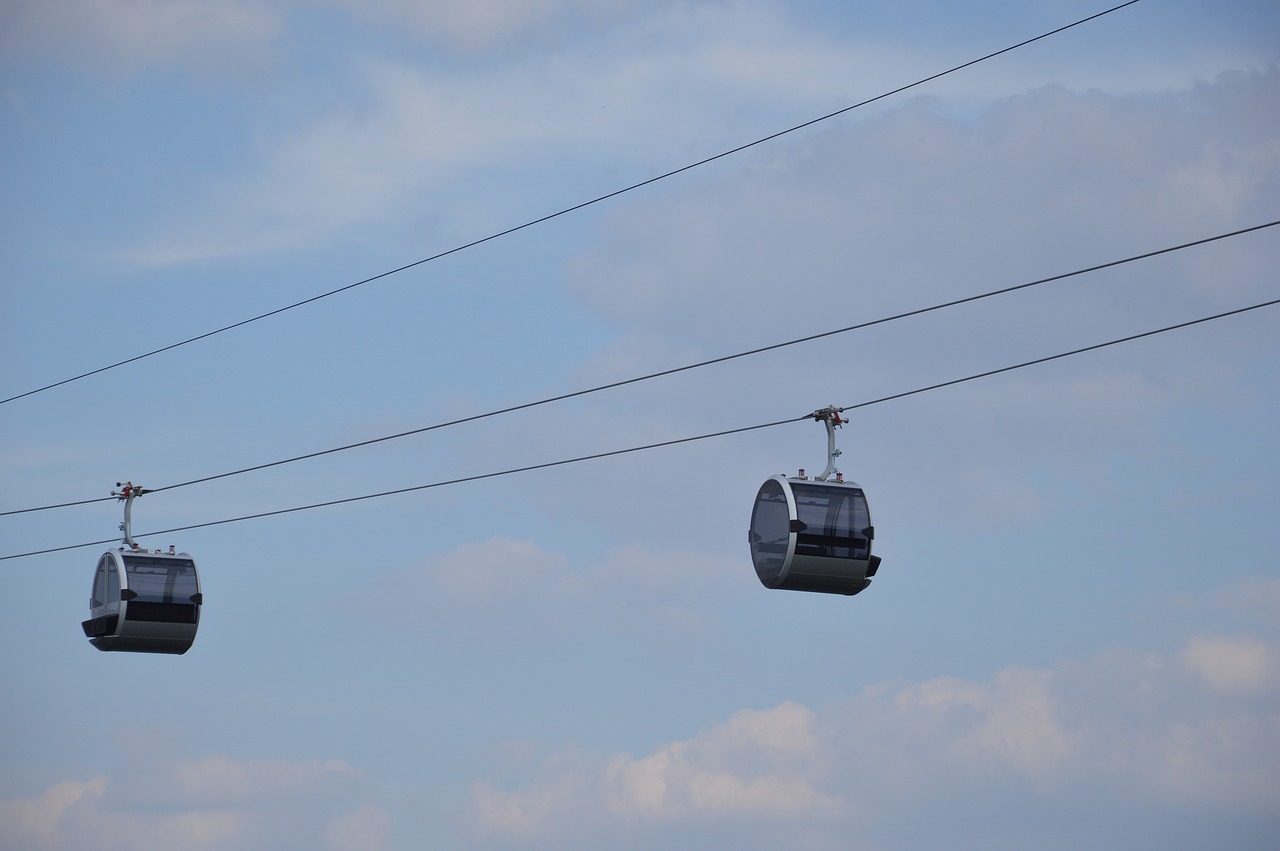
772	556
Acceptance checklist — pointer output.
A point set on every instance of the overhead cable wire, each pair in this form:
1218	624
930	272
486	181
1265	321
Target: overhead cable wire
1060	355
664	443
662	373
567	210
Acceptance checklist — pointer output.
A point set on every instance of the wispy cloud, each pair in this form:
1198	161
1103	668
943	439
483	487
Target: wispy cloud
1122	725
124	36
482	25
212	803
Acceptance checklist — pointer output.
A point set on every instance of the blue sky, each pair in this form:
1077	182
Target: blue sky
1073	640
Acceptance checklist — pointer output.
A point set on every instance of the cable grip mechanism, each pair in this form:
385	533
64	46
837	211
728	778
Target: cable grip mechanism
128	491
830	416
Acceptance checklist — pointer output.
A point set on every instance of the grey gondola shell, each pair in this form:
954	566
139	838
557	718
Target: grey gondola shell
810	535
144	602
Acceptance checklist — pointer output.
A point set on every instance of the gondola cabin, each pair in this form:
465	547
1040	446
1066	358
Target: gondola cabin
811	535
814	533
144	601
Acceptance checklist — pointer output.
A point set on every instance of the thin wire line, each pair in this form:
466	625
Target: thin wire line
1061	355
567	210
662	373
56	505
664	443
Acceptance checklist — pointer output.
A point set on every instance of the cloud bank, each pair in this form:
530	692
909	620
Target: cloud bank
1124	731
207	804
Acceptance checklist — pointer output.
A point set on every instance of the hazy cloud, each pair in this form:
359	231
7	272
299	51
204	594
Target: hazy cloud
123	36
1122	724
482	24
1233	665
74	815
704	777
411	139
367	828
654	592
213	803
1026	182
582	656
753	765
227	781
483	574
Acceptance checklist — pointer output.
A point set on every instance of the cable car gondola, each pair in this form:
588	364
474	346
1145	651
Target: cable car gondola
813	533
143	601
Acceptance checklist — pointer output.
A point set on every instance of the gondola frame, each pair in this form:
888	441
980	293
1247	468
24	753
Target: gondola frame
800	571
168	626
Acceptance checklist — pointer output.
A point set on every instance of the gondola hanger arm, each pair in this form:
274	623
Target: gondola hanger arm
128	491
830	417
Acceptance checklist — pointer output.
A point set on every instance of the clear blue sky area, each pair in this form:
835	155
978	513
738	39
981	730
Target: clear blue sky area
1074	640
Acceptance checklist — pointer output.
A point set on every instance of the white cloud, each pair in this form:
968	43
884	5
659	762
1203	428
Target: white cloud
33	822
751	766
215	803
1020	729
703	778
1233	665
73	814
416	139
367	828
562	779
1122	729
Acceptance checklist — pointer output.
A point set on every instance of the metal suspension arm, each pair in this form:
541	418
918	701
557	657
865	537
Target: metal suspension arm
829	416
127	492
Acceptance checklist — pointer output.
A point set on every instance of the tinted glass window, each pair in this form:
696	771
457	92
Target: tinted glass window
770	529
833	519
113	583
161	580
100	583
